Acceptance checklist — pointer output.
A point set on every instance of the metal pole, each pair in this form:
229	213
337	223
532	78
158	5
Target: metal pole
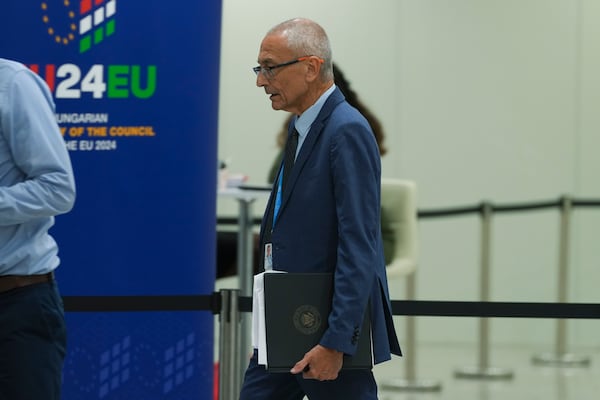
229	345
410	382
411	342
561	357
484	285
483	369
245	274
563	276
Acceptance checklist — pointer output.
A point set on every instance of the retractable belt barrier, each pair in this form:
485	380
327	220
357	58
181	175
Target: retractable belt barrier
212	303
228	304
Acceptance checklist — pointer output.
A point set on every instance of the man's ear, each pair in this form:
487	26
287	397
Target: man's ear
313	70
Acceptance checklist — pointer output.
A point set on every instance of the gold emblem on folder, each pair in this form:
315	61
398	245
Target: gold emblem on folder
307	319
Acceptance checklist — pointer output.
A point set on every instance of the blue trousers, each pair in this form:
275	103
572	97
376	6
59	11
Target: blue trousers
262	385
32	343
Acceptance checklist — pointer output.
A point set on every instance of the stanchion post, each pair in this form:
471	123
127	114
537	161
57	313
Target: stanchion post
245	274
563	274
484	285
245	269
561	356
229	345
411	382
483	369
411	334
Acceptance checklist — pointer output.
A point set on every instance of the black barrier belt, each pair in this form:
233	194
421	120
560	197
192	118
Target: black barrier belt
586	203
399	307
477	209
495	309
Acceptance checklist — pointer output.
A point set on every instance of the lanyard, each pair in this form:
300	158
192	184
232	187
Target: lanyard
277	197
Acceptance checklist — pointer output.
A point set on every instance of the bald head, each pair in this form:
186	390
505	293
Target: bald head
305	37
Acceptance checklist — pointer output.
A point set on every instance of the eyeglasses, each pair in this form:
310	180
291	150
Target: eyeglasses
268	71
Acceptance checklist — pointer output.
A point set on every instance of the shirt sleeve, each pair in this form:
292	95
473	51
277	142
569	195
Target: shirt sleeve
39	182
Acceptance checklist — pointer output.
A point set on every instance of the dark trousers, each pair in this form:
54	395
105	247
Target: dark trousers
32	343
262	385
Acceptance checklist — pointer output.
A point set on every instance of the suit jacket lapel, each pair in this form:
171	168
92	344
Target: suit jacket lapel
311	139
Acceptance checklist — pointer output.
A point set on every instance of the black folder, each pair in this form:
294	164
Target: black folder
297	306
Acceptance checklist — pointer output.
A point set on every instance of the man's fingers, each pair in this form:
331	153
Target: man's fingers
300	366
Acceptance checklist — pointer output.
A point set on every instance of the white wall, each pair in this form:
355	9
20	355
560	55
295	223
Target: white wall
480	100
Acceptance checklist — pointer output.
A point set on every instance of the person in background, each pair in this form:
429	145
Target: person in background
36	183
352	98
323	215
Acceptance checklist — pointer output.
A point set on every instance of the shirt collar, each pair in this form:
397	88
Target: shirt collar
305	121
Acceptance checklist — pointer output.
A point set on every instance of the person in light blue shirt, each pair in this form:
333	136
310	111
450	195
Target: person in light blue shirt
36	184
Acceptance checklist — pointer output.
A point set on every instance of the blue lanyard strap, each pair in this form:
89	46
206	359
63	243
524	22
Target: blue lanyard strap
278	197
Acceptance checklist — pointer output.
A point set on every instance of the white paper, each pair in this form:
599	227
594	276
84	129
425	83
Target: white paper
259	337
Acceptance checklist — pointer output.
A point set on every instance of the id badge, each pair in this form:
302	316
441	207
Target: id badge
268	256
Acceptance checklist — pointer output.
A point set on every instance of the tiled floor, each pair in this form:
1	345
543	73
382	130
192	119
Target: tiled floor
438	364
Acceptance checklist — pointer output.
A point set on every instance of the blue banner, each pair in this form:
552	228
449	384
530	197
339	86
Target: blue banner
136	91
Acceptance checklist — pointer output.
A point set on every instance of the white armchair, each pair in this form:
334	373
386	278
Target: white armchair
399	225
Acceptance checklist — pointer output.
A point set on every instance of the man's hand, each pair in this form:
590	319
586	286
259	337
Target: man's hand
320	363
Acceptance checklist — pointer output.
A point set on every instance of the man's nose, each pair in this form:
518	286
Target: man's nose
261	80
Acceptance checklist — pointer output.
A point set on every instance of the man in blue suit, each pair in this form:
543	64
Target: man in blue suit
323	216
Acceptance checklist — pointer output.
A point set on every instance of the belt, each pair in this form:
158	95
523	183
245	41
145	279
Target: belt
9	282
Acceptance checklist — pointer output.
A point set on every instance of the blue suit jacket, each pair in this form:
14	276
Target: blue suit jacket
329	221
